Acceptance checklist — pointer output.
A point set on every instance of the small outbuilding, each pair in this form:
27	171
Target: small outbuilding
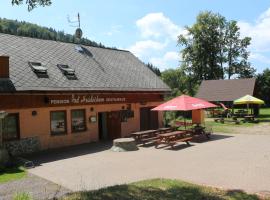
226	91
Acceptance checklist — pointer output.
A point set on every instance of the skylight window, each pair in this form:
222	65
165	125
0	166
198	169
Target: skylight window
67	71
39	69
83	50
79	49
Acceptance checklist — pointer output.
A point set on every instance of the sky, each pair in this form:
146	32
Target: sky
149	28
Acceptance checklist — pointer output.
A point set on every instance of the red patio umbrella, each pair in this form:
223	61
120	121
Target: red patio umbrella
184	103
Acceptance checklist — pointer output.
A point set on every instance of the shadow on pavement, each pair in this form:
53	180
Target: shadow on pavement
178	146
213	137
68	152
197	139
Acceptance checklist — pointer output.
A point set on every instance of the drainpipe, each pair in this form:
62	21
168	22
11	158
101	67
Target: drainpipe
3	114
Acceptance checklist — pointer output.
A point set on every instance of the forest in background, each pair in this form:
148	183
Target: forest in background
27	29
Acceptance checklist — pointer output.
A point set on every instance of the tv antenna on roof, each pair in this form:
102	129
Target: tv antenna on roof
78	32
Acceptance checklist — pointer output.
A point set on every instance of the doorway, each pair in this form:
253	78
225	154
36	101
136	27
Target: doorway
109	125
148	119
102	126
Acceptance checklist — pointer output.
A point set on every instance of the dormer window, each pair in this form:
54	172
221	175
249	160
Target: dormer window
67	71
39	69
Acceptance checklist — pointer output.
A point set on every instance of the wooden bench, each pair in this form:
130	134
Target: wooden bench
179	123
173	137
149	139
232	121
186	139
222	120
218	119
138	136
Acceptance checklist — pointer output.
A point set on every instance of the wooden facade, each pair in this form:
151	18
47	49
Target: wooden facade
19	101
4	66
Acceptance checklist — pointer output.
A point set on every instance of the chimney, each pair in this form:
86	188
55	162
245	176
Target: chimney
4	66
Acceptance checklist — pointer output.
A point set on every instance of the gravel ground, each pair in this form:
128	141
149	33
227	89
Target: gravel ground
240	161
37	187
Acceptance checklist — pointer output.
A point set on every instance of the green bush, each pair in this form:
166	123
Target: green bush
22	196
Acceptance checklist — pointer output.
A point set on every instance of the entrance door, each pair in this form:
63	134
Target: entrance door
102	126
148	119
114	124
109	124
153	119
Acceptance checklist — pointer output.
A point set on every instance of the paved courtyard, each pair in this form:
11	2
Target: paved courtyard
227	161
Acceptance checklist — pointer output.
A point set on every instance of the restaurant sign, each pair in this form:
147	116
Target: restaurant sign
85	99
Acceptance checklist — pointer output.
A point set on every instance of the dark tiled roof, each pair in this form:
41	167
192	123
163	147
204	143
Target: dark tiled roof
98	69
225	90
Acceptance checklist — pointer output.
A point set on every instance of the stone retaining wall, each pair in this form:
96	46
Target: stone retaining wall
23	146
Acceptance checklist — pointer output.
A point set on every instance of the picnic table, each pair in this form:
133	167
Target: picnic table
149	135
215	112
172	138
241	113
141	134
223	120
249	118
165	130
145	136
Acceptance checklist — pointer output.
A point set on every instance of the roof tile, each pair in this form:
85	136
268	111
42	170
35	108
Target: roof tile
107	69
226	90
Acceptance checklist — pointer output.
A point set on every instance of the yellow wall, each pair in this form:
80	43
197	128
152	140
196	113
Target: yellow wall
39	125
197	116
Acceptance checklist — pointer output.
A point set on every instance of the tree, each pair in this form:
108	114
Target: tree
179	82
213	49
31	4
202	47
153	69
263	85
235	51
26	29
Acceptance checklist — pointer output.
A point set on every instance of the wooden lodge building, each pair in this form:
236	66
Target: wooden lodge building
58	94
226	91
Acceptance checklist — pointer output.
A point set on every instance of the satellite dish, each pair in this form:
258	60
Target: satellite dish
78	33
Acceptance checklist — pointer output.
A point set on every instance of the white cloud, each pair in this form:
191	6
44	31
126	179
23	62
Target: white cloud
159	35
258	31
171	55
166	60
260	57
158	25
143	48
114	29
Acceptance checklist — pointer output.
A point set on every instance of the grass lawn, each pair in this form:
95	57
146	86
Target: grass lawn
231	127
160	189
265	114
13	173
226	127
